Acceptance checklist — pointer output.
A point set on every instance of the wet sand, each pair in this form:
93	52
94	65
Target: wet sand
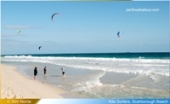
15	85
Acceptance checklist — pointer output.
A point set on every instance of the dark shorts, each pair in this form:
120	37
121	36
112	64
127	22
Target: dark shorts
63	73
35	74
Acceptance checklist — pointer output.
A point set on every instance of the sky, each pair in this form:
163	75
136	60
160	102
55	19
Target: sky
84	27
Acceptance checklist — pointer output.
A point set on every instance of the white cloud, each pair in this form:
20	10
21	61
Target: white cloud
16	27
10	35
20	27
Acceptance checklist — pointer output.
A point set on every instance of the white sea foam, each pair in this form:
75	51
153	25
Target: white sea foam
92	85
120	65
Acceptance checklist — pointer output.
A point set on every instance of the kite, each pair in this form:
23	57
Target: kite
118	33
18	31
54	15
39	47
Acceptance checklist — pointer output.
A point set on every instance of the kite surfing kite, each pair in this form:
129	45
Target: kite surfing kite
54	15
39	47
18	31
118	33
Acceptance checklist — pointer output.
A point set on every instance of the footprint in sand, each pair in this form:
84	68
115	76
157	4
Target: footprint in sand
7	95
12	91
14	96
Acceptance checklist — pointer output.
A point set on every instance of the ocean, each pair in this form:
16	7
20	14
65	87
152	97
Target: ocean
100	75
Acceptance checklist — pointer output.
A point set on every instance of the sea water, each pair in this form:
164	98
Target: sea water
100	75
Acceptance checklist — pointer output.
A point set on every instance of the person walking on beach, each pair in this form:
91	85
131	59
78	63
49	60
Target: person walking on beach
45	70
35	73
63	71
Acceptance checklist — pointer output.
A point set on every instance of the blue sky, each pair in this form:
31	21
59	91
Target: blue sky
83	27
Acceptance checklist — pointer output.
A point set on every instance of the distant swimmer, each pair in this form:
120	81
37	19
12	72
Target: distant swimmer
35	73
45	70
63	71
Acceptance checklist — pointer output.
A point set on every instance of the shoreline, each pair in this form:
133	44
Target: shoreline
80	83
15	85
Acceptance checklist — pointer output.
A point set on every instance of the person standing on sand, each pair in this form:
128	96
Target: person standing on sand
63	72
45	70
35	73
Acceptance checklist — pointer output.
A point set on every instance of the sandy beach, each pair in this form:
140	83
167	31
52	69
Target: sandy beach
15	85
